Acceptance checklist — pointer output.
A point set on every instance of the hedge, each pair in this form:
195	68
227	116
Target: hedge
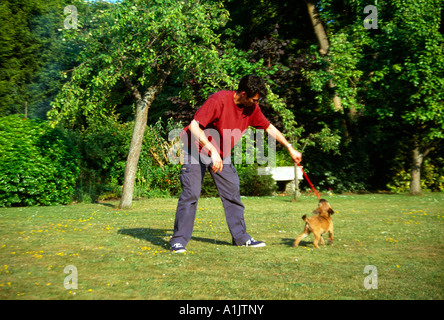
38	164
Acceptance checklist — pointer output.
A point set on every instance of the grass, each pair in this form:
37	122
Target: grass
125	254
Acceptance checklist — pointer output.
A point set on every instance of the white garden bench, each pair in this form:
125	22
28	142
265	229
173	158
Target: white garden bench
282	174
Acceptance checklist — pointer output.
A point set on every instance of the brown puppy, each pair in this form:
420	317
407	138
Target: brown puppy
319	224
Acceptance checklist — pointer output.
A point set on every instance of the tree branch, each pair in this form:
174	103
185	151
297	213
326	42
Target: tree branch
132	88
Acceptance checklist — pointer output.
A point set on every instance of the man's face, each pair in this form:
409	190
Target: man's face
249	101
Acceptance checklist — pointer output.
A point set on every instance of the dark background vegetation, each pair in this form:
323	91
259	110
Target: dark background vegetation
42	165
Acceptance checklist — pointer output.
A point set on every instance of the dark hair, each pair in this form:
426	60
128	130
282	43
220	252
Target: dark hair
252	85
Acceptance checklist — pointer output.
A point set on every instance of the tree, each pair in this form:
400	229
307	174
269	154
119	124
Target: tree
136	46
32	55
407	87
18	53
394	74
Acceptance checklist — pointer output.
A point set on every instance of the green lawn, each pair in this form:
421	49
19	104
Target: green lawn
125	254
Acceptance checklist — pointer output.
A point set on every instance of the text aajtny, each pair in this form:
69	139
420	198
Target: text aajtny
233	310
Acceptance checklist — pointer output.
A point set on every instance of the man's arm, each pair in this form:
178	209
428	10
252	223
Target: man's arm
279	137
200	135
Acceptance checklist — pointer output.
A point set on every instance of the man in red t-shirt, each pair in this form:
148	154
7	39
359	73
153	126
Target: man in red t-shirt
208	140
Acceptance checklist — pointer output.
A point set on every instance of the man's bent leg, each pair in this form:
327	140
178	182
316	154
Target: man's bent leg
191	177
227	183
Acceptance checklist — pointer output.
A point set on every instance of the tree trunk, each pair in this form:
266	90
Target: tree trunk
296	184
318	27
417	159
134	153
415	182
324	45
140	122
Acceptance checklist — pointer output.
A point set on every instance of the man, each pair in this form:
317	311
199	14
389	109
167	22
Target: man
209	138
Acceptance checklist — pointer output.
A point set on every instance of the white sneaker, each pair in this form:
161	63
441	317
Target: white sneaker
178	248
254	244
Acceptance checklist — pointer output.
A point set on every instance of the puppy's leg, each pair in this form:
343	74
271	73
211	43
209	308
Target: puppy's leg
316	240
301	236
330	234
321	240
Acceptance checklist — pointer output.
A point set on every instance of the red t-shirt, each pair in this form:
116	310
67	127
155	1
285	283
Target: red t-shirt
224	122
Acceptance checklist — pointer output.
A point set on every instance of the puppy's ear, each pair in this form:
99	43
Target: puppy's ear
330	211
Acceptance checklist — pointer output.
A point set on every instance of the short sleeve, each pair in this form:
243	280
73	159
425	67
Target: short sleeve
258	120
209	112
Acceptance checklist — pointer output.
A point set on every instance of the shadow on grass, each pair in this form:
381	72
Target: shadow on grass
107	204
157	236
289	242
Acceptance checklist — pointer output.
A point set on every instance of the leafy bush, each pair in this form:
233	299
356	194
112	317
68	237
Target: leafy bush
252	184
209	189
38	164
432	177
158	181
103	148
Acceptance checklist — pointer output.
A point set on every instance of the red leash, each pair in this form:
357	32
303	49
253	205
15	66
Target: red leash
309	182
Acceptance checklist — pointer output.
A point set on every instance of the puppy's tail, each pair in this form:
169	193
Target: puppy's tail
304	217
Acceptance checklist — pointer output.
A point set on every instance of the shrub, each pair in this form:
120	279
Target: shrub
252	184
432	177
155	180
209	189
38	164
103	148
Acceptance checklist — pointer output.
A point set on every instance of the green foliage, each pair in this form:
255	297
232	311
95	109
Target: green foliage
129	46
432	177
390	82
409	79
252	184
392	75
156	176
38	166
103	148
32	55
341	67
158	181
18	50
209	189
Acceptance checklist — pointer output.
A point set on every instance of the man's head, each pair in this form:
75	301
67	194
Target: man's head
251	90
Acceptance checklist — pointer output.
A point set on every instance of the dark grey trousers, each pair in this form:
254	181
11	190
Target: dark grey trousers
227	183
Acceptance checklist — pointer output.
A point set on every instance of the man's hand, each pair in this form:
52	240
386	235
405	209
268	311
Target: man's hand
217	161
276	134
295	155
199	134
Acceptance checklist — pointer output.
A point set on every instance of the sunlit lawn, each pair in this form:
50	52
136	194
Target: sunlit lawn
125	254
